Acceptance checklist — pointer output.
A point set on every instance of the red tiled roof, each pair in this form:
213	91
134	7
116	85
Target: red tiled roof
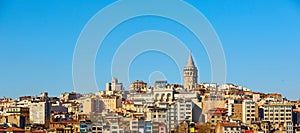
240	92
138	114
14	129
217	111
229	124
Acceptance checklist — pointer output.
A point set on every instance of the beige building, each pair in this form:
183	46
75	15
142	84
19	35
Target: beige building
88	105
5	103
19	111
69	96
138	86
190	75
217	115
243	110
17	119
211	103
112	102
279	113
250	111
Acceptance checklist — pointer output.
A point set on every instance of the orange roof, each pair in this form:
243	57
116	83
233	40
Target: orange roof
14	129
240	92
140	114
217	111
273	94
296	110
229	124
240	99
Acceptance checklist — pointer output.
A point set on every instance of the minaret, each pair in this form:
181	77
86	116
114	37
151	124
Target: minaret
190	74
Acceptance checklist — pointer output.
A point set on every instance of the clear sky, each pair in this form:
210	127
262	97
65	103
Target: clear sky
261	41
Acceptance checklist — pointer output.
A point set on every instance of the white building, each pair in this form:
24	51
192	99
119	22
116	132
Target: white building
179	110
209	86
114	85
134	126
39	112
228	87
256	97
163	94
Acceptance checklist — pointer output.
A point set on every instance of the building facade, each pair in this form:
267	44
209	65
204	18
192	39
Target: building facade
39	112
280	114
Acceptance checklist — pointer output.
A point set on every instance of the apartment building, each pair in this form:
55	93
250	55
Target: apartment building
39	112
216	115
278	113
250	111
19	111
90	105
112	102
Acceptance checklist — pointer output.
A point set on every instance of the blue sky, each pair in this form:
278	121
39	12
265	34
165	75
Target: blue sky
260	40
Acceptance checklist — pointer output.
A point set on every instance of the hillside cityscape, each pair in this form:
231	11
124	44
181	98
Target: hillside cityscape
159	108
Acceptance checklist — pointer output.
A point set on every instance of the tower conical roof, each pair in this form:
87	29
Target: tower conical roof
190	62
